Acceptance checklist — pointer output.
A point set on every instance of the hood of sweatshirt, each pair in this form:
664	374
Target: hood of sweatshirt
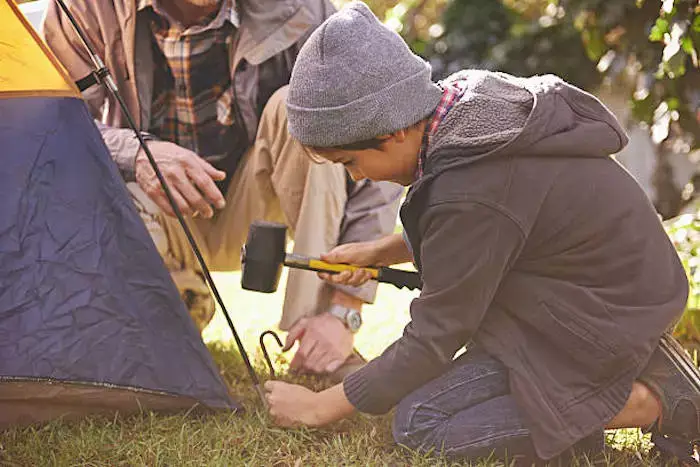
499	114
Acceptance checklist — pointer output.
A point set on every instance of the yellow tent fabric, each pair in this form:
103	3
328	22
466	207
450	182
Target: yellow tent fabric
27	66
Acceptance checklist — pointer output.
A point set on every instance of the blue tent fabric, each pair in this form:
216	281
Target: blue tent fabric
84	295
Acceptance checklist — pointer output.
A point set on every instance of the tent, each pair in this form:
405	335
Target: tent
90	321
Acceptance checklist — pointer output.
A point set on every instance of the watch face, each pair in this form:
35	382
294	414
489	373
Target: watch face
354	320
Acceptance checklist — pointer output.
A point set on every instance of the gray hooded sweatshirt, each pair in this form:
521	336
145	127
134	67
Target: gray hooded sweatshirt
538	246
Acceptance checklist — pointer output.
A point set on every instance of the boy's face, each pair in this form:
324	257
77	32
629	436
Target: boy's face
396	160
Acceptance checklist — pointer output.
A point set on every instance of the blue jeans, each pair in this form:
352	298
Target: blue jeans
468	412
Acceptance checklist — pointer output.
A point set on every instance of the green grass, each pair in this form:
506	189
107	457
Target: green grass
249	438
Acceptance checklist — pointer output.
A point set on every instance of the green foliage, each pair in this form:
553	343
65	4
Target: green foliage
685	234
648	45
515	38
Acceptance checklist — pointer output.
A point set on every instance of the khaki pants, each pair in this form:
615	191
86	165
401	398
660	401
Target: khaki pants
277	182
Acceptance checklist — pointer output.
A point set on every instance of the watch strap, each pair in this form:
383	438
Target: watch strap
342	312
339	311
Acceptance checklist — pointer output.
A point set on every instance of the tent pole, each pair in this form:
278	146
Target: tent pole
102	75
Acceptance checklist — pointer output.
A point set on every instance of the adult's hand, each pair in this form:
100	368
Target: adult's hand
324	344
189	177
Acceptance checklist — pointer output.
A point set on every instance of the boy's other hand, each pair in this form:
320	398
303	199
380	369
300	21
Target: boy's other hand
189	177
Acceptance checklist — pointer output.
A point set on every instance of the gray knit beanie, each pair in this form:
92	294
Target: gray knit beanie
355	79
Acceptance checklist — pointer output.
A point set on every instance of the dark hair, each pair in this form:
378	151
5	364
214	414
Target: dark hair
373	143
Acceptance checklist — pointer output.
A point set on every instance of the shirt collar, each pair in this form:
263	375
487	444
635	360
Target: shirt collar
450	95
228	11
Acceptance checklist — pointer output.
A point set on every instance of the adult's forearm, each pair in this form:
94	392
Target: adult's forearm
123	146
370	211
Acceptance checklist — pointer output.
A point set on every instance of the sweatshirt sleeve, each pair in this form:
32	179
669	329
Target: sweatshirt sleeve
467	249
123	146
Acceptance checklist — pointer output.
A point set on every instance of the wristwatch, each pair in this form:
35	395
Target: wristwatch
349	316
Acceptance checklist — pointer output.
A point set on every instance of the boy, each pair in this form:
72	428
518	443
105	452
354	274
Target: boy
536	249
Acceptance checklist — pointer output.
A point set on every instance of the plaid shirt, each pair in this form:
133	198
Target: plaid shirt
450	95
192	86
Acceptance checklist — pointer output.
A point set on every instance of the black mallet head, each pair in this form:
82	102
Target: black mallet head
263	256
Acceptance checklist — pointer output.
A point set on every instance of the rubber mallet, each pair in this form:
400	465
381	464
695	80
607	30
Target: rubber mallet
264	255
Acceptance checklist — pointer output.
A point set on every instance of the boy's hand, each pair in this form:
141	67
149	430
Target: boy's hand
358	254
292	405
189	177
